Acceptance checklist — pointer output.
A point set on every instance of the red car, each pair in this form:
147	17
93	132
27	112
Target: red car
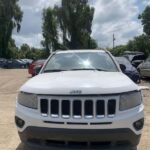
34	64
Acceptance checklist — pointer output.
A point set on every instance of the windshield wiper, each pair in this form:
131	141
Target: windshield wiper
94	69
53	70
59	70
101	69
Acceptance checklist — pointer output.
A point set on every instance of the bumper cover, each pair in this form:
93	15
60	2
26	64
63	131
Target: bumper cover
55	138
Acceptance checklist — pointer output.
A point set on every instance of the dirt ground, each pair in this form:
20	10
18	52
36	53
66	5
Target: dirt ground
10	82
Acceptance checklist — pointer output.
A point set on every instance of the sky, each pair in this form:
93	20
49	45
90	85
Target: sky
118	17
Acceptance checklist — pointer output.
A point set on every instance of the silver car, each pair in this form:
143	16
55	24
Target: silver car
144	68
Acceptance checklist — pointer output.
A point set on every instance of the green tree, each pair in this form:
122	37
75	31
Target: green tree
25	47
140	43
36	53
75	19
69	26
50	30
118	50
24	50
13	49
10	18
145	18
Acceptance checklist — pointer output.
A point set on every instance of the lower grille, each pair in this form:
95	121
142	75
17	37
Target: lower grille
78	108
77	144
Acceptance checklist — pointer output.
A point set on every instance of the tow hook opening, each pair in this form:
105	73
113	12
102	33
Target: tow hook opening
138	125
19	122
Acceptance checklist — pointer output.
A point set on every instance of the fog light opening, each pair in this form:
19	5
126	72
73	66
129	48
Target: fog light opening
19	122
138	125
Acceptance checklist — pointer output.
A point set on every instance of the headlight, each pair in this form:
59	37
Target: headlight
130	100
28	100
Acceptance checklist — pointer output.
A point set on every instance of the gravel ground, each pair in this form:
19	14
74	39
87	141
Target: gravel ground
10	81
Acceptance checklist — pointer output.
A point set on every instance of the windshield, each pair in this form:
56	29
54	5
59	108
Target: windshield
100	61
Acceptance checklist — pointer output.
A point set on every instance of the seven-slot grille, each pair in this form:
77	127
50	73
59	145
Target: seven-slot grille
77	108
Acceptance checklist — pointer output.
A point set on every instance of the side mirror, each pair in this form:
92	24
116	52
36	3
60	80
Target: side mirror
123	67
37	69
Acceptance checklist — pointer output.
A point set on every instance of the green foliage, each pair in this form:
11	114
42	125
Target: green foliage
145	18
36	53
118	50
68	26
10	18
50	31
26	51
140	43
75	19
13	51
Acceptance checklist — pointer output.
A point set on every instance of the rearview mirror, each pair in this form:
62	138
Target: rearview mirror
123	67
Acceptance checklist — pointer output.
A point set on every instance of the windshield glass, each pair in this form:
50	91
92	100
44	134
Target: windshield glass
100	61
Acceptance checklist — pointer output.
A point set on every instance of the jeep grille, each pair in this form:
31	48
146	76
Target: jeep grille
73	107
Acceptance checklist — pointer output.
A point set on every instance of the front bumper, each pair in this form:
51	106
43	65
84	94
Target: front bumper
41	132
53	137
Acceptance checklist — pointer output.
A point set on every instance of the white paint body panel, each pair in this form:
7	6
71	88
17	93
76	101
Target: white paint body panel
89	82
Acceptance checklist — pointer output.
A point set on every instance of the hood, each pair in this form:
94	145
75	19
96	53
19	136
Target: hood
87	82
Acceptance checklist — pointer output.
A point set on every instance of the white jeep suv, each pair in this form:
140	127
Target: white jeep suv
80	99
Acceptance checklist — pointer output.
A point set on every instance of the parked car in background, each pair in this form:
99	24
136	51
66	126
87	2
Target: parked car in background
34	64
14	64
133	53
24	64
27	61
2	62
130	70
144	68
135	58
